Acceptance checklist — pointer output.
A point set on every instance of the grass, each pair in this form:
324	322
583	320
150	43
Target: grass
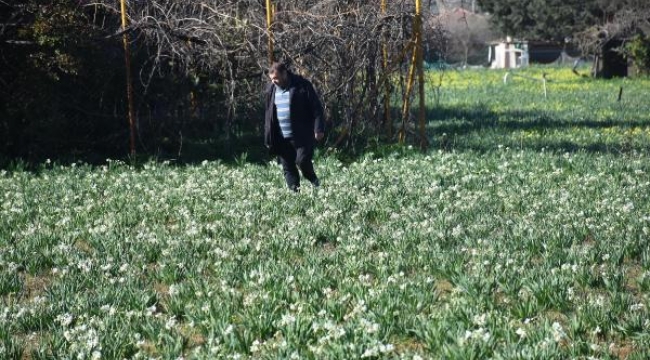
524	234
476	110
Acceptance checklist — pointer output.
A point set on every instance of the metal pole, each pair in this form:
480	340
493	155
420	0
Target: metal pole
129	84
269	23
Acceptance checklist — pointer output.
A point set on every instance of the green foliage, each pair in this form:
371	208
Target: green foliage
554	19
53	78
539	19
639	50
63	88
54	28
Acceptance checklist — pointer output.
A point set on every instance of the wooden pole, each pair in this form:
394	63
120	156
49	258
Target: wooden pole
416	66
129	83
387	119
407	96
420	64
620	94
269	23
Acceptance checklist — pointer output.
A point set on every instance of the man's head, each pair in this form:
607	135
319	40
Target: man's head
279	74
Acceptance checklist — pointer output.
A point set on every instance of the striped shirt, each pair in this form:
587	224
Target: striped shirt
283	106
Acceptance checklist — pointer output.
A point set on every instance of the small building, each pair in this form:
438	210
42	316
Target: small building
610	62
508	54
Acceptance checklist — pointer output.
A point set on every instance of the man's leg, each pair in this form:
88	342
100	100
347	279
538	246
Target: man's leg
304	156
287	155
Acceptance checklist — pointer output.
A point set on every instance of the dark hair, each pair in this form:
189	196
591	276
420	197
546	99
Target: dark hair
278	67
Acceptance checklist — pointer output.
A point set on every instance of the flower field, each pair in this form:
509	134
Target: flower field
523	234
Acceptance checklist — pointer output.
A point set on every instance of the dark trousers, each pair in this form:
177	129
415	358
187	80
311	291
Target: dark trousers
292	158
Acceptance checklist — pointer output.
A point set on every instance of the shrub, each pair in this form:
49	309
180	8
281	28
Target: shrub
639	50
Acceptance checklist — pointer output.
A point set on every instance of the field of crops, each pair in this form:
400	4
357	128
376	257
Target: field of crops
523	234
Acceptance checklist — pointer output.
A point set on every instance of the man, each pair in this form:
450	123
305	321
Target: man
293	122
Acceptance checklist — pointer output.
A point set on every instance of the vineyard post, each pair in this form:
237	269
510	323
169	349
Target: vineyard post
129	84
387	120
420	59
406	104
416	66
269	23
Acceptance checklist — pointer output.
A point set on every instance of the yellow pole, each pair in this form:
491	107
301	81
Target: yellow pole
269	22
407	96
129	84
420	59
387	120
416	65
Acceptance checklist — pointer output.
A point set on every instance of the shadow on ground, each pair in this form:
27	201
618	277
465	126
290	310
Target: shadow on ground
450	128
480	129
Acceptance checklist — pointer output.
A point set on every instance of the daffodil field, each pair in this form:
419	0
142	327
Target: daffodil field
523	233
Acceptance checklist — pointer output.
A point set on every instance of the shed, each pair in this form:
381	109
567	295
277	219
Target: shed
508	54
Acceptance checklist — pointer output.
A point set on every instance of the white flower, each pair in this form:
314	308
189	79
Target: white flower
65	319
521	332
637	307
478	334
369	326
558	332
386	348
376	349
256	346
628	207
173	290
108	309
480	320
287	319
570	293
328	292
171	323
596	331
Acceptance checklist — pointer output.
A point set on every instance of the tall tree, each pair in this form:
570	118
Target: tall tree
539	19
57	77
559	19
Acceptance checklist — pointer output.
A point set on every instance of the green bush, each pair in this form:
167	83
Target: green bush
639	50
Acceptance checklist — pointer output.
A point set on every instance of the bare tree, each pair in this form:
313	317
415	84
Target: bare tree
337	43
607	40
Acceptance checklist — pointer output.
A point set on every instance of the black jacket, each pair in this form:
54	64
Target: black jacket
306	114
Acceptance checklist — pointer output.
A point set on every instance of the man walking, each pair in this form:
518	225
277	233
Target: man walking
293	122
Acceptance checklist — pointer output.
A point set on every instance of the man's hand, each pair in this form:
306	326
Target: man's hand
319	136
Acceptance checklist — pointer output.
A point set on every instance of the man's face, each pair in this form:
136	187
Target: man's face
279	78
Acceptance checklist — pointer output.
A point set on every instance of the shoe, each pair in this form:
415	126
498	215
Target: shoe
316	183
